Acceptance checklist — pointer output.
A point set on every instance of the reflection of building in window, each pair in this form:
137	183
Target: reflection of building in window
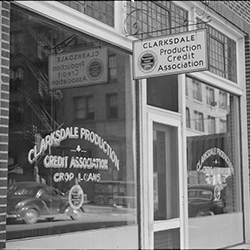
112	68
197	93
84	107
112	106
16	74
188	118
199	121
16	42
223	99
158	15
16	77
222	53
223	125
100	10
210	96
216	99
211	125
16	113
186	87
37	112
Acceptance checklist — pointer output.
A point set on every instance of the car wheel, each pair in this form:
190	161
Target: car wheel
30	216
210	213
75	215
200	214
207	213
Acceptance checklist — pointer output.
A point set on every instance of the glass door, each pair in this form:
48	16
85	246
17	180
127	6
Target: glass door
164	178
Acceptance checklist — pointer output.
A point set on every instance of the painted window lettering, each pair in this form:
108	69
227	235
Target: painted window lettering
73	163
55	138
77	56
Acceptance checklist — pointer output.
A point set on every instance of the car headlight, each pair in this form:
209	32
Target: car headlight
20	204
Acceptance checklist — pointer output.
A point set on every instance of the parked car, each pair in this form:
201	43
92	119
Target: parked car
205	199
31	201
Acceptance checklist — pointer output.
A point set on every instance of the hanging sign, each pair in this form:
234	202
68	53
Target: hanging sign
171	54
78	68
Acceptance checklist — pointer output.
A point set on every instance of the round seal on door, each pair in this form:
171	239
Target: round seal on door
76	197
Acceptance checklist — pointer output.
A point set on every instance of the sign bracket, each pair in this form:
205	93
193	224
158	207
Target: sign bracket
59	47
185	22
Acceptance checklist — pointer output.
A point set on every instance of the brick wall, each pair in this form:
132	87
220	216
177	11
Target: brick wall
240	7
236	12
4	112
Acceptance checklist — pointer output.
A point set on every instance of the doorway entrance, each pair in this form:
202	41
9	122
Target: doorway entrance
165	215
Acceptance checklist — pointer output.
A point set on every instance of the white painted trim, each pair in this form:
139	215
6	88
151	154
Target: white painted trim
182	105
162	225
218	82
76	20
174	118
171	119
245	150
122	238
150	182
144	199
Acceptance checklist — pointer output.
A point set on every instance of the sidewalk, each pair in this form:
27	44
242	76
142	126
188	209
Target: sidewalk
240	246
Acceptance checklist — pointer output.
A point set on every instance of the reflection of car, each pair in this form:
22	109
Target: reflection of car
205	199
30	201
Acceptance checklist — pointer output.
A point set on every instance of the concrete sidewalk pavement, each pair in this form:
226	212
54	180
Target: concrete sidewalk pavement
240	246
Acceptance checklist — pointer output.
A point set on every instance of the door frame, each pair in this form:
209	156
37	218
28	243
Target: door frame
170	119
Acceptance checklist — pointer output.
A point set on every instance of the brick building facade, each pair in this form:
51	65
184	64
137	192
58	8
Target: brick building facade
122	137
4	112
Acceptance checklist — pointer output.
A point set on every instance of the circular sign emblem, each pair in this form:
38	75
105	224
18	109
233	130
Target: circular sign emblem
95	69
76	197
216	193
147	61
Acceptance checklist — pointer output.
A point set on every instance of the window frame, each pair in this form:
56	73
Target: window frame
85	100
199	121
211	125
110	109
230	30
219	58
143	19
188	119
210	96
84	7
197	90
223	99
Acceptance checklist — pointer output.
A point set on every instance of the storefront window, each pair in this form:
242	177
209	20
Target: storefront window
222	53
155	18
71	144
101	10
213	154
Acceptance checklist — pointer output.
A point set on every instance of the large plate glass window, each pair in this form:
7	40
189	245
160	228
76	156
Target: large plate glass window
71	151
213	161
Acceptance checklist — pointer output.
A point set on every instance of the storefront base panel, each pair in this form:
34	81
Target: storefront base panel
115	238
213	232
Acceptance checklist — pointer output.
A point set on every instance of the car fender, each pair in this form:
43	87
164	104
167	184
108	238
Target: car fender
21	210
